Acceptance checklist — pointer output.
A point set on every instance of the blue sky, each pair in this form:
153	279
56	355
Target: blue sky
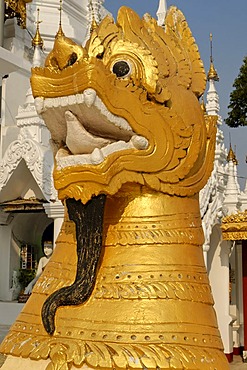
227	20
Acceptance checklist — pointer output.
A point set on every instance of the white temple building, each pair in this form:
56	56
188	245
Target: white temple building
28	200
223	211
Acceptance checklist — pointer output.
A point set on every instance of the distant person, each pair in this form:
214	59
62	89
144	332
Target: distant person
48	250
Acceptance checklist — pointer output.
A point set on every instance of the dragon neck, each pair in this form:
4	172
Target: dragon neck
137	215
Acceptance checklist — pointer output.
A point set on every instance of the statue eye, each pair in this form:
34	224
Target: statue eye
121	68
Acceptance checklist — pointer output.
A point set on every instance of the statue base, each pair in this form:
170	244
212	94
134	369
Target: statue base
151	306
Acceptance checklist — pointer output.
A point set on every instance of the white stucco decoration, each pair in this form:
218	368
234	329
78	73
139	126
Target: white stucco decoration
212	195
161	13
39	161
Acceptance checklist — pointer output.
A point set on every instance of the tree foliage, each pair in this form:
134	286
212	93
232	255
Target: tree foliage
237	115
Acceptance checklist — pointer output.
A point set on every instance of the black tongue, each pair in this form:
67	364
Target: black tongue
89	229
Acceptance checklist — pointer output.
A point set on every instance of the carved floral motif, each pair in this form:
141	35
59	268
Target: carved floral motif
234	227
63	353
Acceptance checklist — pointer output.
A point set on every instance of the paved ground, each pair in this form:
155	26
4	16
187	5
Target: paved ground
237	364
3	331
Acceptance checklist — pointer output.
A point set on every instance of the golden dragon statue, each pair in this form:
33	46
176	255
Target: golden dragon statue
126	287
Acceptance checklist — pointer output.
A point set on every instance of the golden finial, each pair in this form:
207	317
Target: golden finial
60	30
93	21
212	73
37	40
231	157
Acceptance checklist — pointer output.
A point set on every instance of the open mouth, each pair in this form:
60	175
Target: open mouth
84	131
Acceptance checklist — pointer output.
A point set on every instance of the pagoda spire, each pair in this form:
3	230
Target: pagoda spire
37	43
94	16
37	40
212	106
212	73
161	12
231	157
232	192
60	29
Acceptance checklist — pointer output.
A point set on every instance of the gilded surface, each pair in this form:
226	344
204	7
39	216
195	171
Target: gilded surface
234	227
151	306
140	311
158	99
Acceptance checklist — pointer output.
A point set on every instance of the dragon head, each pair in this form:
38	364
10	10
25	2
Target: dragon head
125	108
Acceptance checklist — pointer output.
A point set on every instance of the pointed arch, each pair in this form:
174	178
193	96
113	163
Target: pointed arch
38	159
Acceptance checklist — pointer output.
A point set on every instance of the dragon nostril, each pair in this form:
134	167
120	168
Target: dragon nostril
72	59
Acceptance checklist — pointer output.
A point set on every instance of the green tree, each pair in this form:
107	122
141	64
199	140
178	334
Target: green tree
237	115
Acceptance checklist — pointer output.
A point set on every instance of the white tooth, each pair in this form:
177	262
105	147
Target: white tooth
72	99
79	98
49	103
39	105
62	152
64	101
97	156
139	142
56	102
114	147
63	162
118	121
89	97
